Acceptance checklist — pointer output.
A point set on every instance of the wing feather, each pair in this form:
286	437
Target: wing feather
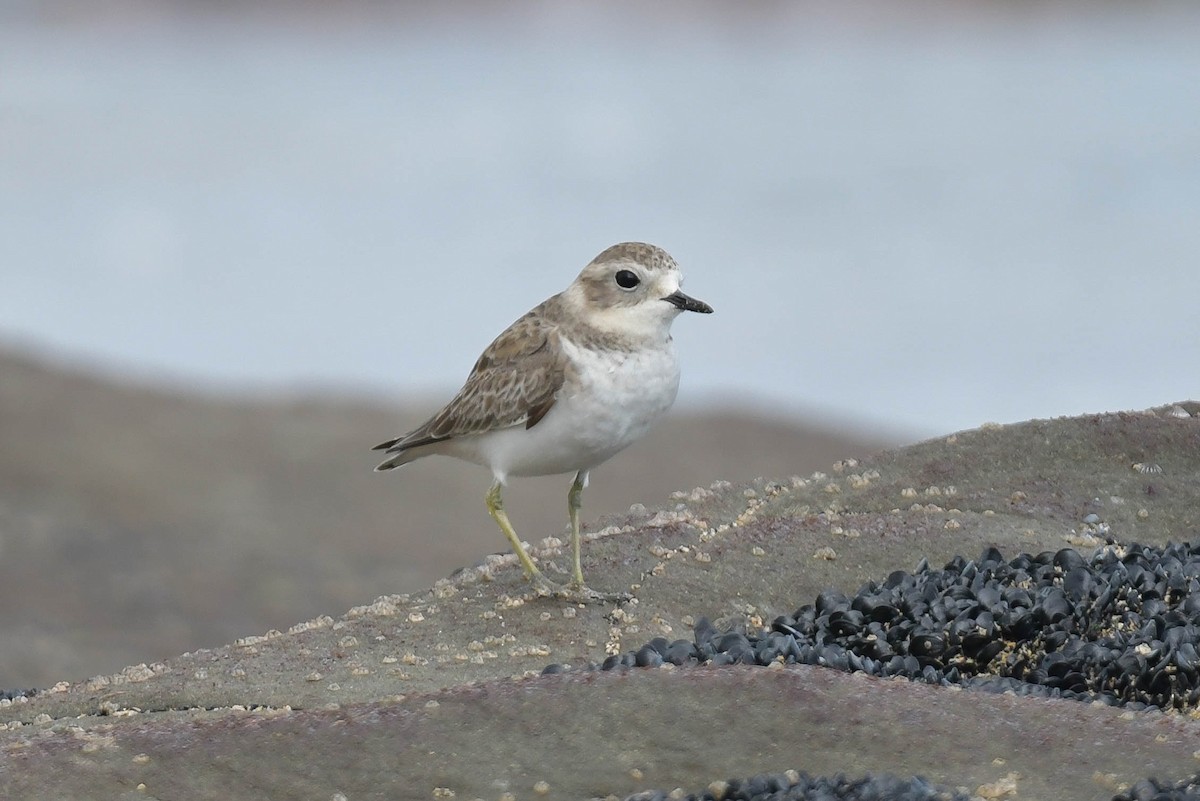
515	381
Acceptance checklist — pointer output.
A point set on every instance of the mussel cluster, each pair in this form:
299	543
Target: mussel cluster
1121	627
794	786
1155	790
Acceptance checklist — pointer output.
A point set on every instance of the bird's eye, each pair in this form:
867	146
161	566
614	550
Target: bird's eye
627	279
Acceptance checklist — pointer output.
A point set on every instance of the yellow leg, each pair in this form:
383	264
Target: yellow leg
577	592
495	505
574	503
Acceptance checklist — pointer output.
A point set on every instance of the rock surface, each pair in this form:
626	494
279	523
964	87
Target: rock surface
172	519
435	693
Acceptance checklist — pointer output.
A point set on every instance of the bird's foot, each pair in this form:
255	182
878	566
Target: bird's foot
576	592
544	587
581	593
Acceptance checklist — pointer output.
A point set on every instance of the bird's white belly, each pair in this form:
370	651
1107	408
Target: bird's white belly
616	400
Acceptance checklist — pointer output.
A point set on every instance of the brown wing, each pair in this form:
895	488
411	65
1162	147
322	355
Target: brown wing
515	381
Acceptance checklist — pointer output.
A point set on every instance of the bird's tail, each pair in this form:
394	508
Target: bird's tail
404	453
402	458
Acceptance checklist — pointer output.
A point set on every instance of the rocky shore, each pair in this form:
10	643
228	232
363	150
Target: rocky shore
1006	612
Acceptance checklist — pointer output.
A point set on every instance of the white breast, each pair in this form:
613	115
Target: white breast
616	399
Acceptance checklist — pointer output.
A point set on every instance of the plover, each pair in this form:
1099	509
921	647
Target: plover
564	388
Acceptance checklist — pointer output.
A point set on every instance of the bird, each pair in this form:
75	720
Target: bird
564	388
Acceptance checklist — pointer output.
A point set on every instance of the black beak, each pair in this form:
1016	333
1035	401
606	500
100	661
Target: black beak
686	303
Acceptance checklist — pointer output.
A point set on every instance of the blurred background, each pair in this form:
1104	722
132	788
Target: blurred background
242	243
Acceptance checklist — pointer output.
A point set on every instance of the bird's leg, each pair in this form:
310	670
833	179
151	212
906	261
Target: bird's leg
574	503
577	590
495	505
